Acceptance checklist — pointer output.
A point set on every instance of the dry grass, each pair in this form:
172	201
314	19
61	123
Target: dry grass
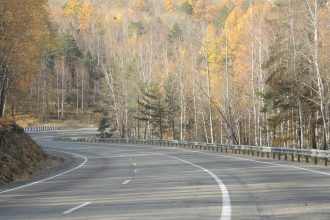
27	121
20	156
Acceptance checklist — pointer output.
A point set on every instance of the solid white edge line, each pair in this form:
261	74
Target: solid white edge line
52	177
126	182
246	159
76	208
261	162
226	208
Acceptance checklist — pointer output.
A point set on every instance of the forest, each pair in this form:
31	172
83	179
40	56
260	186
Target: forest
248	72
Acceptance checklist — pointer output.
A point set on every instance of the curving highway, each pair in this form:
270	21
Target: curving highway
111	181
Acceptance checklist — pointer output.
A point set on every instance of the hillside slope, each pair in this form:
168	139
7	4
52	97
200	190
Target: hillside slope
20	156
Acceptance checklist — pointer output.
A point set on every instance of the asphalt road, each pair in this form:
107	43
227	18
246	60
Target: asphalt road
110	181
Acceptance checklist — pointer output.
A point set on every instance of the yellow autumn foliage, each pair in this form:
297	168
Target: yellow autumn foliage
73	8
81	11
170	5
21	39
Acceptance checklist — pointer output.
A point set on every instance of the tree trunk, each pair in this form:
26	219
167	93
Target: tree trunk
62	94
181	107
160	120
173	117
109	81
3	95
82	91
57	96
138	128
301	126
314	20
195	112
77	87
313	131
145	129
205	129
210	101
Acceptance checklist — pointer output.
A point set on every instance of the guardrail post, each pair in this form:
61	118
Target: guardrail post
292	157
306	158
298	158
285	156
267	154
315	160
279	155
326	161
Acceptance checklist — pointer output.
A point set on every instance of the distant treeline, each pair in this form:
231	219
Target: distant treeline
235	71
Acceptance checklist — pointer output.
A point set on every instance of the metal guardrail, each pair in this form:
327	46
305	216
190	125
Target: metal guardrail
260	151
42	128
